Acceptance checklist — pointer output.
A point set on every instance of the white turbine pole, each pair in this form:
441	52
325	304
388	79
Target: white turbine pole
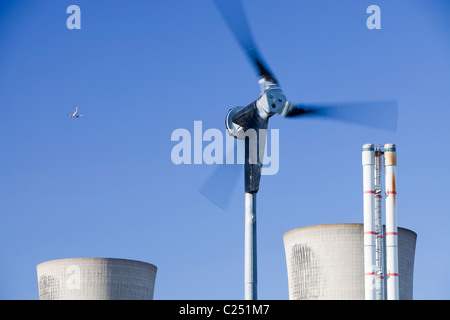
390	163
250	271
368	162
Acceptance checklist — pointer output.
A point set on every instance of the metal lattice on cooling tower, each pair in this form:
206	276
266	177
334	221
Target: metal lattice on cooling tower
305	271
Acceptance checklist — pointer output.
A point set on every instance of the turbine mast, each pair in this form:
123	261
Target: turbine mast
250	268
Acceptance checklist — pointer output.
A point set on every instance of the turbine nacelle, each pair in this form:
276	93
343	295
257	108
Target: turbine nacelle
271	101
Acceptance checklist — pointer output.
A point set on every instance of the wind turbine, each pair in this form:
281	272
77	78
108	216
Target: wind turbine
250	124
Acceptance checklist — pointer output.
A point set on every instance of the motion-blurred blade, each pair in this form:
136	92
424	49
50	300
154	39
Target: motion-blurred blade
381	114
220	185
234	15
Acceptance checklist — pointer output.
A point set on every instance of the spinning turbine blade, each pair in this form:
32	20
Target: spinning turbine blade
220	185
234	15
381	114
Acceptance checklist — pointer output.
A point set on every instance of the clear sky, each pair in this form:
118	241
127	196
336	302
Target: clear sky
105	185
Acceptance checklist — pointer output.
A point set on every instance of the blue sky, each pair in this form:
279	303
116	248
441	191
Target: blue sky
105	185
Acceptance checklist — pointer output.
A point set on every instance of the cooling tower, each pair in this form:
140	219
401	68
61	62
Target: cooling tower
96	279
326	262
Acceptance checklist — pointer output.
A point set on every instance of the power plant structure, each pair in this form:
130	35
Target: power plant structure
376	271
370	261
96	279
326	262
343	261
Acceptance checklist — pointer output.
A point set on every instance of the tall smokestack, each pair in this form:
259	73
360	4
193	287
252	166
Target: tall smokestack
368	162
379	257
390	163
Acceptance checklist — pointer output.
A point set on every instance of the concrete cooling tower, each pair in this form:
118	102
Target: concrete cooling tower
326	262
96	279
